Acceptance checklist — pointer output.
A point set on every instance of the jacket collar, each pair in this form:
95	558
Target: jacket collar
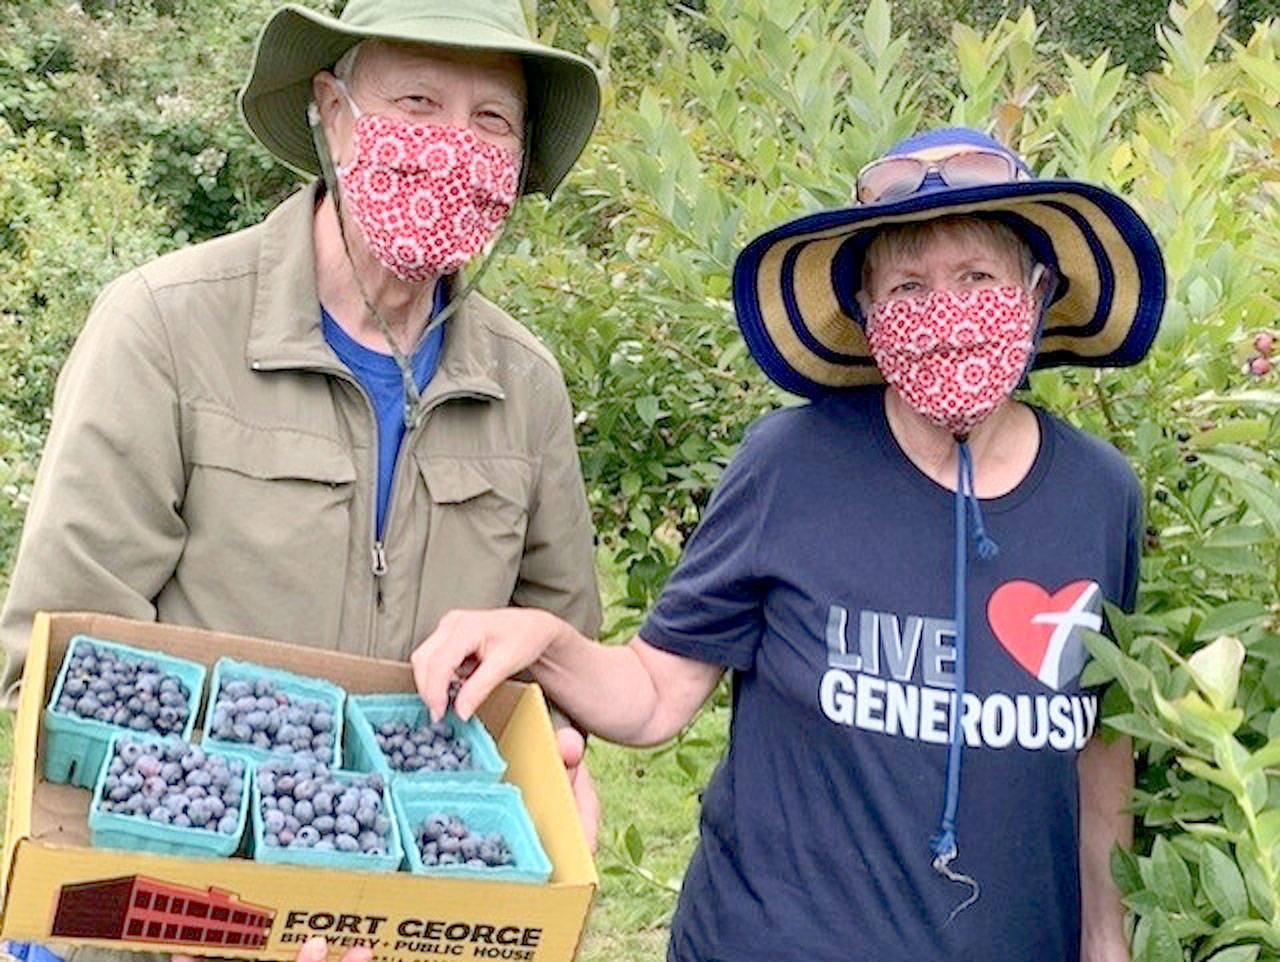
285	331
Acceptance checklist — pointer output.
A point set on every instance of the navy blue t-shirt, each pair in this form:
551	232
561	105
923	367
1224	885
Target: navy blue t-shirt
822	575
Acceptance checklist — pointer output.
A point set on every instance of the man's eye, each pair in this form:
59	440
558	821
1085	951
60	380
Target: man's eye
495	122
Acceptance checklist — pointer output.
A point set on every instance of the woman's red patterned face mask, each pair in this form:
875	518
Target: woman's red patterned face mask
427	198
954	356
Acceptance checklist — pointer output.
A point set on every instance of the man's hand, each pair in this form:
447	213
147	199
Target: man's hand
315	949
573	748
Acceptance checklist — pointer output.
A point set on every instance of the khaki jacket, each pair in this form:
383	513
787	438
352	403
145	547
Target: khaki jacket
212	463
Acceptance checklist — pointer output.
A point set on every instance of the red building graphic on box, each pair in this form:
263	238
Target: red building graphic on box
141	909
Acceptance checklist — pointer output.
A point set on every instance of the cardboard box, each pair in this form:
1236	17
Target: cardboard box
57	889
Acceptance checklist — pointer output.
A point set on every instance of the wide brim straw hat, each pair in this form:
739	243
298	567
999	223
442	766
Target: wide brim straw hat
794	286
296	43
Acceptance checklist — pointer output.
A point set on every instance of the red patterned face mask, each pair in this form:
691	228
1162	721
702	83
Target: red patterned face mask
427	198
954	356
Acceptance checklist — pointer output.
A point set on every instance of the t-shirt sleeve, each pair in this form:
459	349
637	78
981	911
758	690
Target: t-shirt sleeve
710	608
1133	546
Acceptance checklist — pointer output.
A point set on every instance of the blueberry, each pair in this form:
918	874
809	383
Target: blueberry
346	843
346	825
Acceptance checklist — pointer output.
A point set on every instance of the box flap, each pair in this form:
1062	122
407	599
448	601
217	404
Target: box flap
527	737
25	728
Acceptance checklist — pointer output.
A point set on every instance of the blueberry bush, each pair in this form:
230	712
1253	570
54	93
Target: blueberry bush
721	118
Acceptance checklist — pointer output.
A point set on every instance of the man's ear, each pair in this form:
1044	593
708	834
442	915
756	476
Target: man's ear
327	104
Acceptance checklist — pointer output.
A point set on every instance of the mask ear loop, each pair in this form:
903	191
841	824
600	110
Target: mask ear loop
1042	285
413	409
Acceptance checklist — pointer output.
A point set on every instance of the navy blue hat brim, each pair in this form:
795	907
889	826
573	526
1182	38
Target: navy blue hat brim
794	286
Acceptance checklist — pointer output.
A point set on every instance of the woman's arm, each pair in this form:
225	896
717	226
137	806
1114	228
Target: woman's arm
1106	785
635	694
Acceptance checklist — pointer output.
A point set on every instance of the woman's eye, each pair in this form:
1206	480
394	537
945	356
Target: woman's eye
905	287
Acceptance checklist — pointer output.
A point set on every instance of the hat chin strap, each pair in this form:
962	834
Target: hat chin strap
413	409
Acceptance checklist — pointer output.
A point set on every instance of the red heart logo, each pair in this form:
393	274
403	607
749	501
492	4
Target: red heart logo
1024	618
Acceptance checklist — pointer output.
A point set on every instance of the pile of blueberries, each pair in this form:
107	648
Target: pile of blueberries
134	694
306	805
445	839
260	714
428	746
173	782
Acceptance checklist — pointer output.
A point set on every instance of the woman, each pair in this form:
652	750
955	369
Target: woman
868	664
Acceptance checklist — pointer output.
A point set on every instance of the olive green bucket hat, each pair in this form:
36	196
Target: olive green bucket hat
297	43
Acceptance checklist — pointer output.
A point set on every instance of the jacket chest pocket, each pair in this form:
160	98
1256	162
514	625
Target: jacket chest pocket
269	515
479	514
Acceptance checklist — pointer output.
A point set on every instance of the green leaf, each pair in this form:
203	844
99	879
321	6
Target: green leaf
1215	669
634	843
1194	718
649	409
1223	883
1169	876
1236	536
877	27
1233	931
1235	431
1154	939
1268	756
1230	618
1236	953
1125	871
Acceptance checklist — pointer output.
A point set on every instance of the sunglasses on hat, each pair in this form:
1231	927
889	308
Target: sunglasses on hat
890	177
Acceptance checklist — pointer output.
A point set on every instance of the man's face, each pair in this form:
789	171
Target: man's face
480	91
951	258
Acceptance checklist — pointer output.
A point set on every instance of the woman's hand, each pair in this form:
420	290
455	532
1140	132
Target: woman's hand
499	643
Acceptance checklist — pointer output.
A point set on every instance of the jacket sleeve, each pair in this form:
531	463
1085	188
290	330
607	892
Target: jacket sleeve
103	530
557	572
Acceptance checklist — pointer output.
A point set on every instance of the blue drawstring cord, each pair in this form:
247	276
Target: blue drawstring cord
943	843
987	547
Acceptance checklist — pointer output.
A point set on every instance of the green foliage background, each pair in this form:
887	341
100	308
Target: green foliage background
119	139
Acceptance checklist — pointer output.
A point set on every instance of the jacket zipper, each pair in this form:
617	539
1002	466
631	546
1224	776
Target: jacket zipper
378	553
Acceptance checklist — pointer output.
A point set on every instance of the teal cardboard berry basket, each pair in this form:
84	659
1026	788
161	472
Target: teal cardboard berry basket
389	861
366	712
76	746
293	686
485	809
139	833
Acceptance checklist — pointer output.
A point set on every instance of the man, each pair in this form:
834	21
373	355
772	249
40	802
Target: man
312	430
844	572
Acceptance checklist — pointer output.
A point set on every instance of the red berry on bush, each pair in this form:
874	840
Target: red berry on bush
1259	366
1264	342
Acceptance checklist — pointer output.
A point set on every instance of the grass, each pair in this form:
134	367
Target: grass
651	803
